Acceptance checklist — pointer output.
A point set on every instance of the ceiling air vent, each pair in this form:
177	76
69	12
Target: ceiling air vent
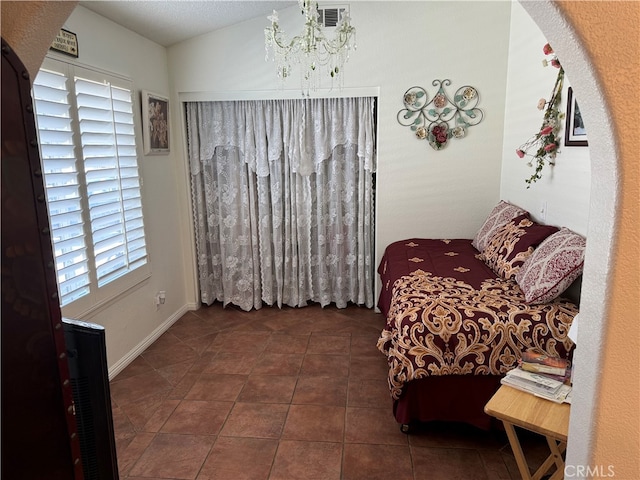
330	16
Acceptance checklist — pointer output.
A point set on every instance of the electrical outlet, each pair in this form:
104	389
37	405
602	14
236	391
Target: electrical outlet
543	212
161	297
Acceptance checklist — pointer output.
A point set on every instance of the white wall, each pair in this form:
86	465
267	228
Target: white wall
132	320
565	187
420	192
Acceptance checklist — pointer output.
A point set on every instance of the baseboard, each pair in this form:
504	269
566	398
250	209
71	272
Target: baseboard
142	346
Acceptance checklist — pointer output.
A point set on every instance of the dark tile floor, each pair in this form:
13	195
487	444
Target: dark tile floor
283	394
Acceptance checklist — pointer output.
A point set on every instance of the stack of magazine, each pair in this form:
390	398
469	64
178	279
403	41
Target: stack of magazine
543	376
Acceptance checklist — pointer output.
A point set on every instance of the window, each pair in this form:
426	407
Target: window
86	129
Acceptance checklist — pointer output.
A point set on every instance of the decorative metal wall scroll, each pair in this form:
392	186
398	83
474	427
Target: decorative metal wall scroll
439	119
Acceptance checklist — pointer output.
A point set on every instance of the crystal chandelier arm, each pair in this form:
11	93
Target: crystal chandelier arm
277	39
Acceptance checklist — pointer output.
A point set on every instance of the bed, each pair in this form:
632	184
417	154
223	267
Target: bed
458	317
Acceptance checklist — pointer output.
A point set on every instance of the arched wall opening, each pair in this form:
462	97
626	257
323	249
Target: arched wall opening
32	34
599	45
601	228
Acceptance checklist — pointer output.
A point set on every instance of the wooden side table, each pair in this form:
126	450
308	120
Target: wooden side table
516	408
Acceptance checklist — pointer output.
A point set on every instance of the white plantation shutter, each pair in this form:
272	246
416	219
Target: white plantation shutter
63	187
87	136
105	116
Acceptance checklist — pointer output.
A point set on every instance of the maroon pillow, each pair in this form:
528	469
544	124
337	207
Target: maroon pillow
513	243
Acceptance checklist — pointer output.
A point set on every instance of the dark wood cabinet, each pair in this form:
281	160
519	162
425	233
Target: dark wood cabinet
39	434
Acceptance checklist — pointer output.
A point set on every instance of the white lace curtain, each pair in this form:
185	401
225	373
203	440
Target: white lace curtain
282	194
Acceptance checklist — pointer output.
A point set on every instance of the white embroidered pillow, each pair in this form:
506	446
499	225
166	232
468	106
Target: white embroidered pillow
552	267
501	214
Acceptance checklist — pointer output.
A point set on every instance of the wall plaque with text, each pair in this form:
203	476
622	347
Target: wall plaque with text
66	42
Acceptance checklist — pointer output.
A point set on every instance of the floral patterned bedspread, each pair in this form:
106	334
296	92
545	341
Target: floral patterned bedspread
457	323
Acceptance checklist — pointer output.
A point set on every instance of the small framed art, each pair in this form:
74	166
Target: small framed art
575	133
155	123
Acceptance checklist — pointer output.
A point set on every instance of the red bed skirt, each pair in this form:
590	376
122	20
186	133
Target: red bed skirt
453	398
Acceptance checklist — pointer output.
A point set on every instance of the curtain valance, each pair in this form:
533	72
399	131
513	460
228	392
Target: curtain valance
306	130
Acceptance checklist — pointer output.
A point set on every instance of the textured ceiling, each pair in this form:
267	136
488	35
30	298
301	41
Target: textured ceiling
167	22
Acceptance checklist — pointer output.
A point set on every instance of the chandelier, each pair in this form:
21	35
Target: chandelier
312	49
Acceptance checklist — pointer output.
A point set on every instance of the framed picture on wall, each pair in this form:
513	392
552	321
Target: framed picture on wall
575	133
155	123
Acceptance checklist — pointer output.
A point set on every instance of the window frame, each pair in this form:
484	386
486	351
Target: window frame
99	297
